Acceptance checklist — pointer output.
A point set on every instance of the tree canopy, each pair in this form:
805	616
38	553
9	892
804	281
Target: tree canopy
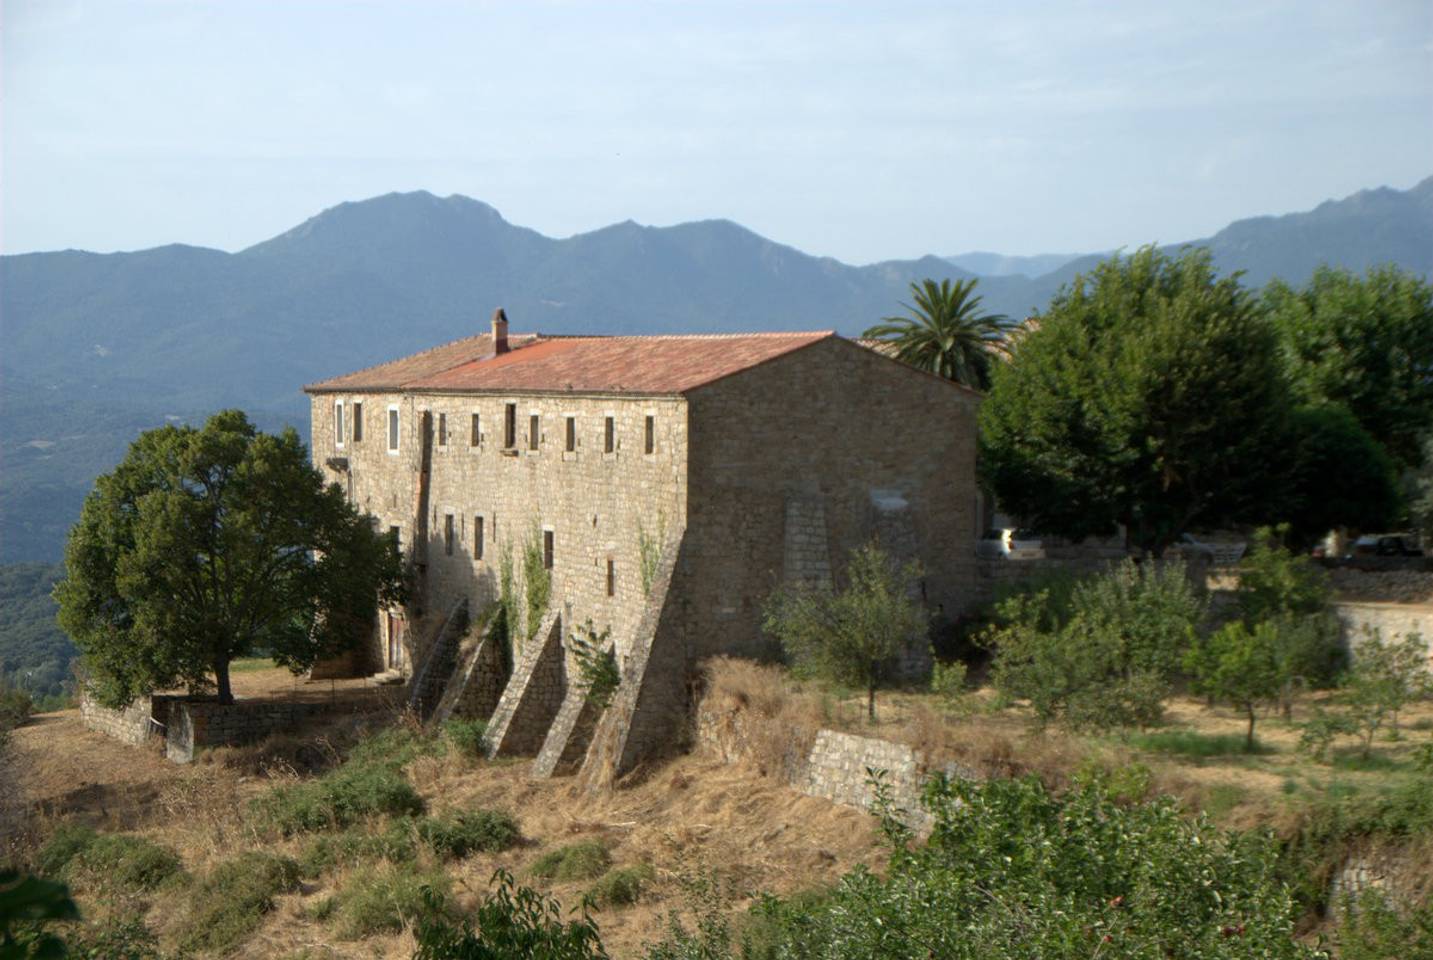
204	545
1148	394
1366	343
945	332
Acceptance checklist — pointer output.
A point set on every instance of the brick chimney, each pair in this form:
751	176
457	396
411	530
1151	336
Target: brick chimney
500	331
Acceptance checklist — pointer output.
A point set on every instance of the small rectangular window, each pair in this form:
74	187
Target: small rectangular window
448	534
651	440
397	534
534	431
392	429
611	577
510	426
478	537
571	434
357	421
338	423
547	549
609	435
477	434
442	429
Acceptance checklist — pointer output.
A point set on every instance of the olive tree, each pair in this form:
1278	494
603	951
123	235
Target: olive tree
204	545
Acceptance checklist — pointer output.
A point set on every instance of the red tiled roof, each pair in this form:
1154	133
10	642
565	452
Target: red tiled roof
643	365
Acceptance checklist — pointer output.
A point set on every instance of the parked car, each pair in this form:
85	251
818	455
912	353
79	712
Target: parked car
1386	545
1005	543
1218	554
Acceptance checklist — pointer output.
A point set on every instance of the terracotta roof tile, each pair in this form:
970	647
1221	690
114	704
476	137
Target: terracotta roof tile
643	365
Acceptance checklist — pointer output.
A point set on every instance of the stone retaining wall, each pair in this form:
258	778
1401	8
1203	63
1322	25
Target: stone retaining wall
131	724
196	724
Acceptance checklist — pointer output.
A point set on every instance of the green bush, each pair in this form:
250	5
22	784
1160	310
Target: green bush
384	898
466	736
393	747
578	861
512	921
125	862
337	800
230	903
1100	653
1012	870
67	842
16	705
1372	930
326	851
621	887
481	830
117	938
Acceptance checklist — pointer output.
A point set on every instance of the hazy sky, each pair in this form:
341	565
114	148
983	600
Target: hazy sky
861	131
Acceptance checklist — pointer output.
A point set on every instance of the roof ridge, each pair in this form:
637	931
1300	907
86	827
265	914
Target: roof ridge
532	337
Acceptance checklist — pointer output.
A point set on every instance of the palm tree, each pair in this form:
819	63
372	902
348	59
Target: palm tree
945	334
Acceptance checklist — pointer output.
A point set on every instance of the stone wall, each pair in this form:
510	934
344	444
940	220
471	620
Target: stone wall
532	697
599	506
195	724
834	424
134	724
1391	620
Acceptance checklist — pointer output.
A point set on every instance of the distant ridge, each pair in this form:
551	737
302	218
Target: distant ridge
98	346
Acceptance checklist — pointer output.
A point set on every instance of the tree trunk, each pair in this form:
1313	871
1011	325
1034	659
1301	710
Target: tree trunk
871	703
221	678
1249	737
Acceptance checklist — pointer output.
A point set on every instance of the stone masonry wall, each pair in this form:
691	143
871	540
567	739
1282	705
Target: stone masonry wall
837	423
197	724
129	725
1391	620
599	506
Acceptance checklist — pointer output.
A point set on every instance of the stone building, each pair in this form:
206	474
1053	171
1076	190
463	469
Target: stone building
666	484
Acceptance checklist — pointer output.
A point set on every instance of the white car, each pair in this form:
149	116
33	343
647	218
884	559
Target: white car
1218	554
1008	544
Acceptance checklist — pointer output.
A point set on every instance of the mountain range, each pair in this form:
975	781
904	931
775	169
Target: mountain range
100	346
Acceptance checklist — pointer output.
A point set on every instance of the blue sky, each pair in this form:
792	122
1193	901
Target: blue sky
860	131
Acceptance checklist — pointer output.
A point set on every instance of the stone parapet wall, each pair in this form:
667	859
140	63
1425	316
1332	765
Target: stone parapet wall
132	724
194	725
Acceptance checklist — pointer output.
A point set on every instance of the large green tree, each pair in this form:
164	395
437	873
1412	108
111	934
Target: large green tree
204	545
945	333
1149	394
1366	343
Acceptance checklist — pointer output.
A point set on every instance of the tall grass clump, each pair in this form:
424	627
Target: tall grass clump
579	861
453	838
118	861
622	886
231	902
384	898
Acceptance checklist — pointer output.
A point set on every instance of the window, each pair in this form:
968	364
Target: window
547	549
478	537
611	577
510	426
357	421
442	429
448	534
651	439
609	434
571	434
338	423
397	534
477	434
393	429
534	431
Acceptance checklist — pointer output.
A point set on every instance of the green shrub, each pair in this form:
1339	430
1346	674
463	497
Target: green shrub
621	887
1191	743
230	903
1098	654
125	862
1126	783
466	736
512	921
1012	870
16	705
326	851
578	861
337	800
384	898
392	748
67	842
1372	930
596	664
117	938
481	830
947	681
